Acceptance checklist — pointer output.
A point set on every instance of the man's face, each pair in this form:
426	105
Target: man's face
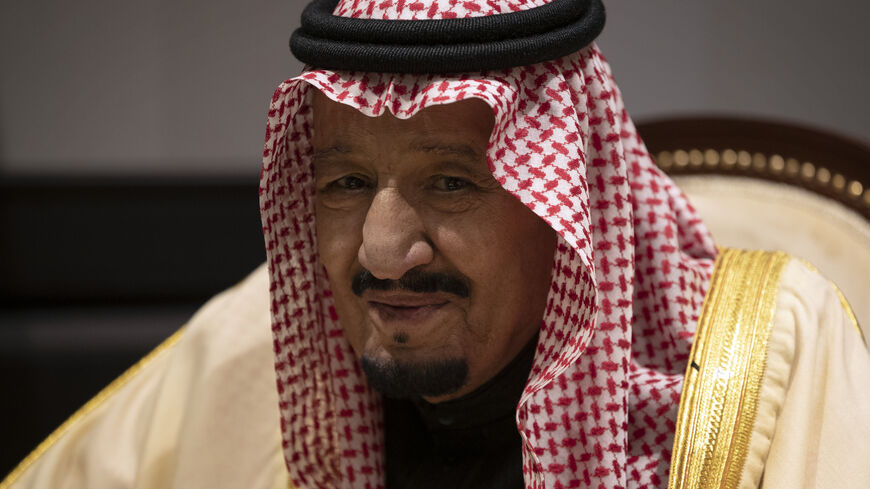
439	275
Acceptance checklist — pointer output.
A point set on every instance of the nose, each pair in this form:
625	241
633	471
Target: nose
394	239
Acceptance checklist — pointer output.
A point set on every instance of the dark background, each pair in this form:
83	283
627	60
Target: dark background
95	272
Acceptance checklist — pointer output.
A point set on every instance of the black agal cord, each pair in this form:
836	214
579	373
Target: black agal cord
445	45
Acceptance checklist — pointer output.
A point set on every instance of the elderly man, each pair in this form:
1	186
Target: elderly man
479	278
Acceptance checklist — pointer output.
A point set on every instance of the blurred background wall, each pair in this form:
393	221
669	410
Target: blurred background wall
177	91
169	87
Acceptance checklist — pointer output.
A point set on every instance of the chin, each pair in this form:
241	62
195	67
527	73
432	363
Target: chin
415	378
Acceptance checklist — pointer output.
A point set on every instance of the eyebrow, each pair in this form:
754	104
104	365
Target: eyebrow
447	149
426	146
328	151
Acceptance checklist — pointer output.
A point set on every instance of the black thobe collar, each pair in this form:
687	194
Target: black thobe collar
471	441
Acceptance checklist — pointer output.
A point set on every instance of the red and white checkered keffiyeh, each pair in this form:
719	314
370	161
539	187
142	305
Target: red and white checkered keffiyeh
631	269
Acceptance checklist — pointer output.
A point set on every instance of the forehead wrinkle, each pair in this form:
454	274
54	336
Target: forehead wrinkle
454	149
320	153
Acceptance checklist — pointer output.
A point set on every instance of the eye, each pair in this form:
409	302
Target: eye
451	184
350	182
347	183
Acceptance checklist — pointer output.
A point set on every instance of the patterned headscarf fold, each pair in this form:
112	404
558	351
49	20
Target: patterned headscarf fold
632	266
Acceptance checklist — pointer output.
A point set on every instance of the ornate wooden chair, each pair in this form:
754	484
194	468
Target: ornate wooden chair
768	185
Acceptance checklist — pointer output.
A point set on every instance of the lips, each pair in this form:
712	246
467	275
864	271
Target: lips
388	312
405	308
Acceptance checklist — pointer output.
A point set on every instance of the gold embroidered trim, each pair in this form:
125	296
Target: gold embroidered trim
720	392
850	314
848	309
89	407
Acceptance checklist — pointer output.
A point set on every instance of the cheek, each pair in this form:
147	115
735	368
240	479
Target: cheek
507	252
339	235
536	250
524	264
